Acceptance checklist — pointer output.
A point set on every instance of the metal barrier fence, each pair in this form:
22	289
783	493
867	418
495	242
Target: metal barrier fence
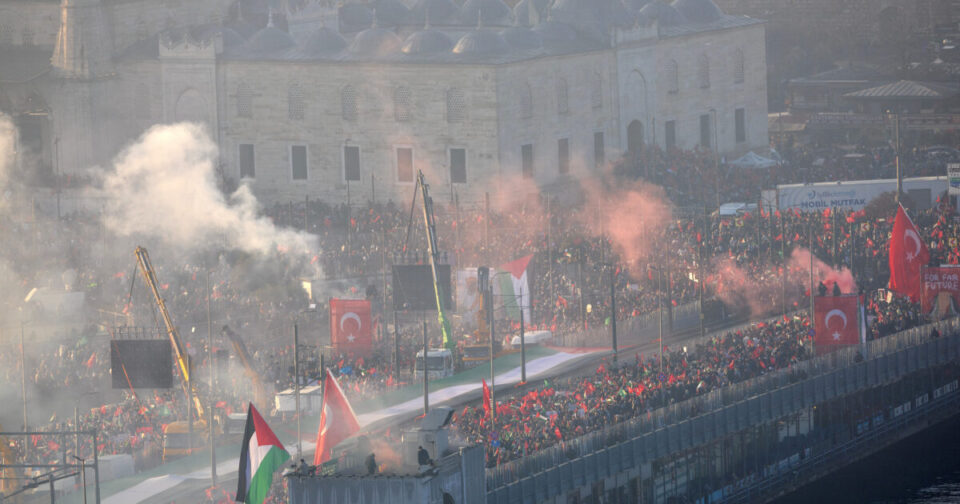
811	372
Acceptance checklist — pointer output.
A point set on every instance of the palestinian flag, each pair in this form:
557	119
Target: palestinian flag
260	456
515	288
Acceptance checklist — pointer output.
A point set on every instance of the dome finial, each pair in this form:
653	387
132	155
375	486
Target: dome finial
479	18
426	24
270	18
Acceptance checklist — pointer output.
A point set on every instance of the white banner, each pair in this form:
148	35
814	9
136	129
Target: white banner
854	195
953	174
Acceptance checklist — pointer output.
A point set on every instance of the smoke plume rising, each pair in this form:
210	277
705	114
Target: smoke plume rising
164	187
761	290
633	218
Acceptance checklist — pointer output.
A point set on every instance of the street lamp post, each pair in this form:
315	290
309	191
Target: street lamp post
210	364
716	155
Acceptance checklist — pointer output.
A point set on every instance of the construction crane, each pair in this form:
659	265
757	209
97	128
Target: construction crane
259	393
189	387
431	229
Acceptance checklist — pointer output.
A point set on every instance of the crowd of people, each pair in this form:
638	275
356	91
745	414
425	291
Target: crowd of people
753	260
550	414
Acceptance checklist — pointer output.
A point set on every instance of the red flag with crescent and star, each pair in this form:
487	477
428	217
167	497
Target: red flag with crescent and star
837	324
351	325
908	254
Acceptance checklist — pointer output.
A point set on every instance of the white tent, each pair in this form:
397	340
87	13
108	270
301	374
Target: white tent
751	160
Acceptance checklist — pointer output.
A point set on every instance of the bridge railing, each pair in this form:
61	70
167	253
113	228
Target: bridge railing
510	472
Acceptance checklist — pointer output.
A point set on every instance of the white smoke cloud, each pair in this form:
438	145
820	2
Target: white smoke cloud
164	187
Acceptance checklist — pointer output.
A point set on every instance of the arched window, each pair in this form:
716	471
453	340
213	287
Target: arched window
402	99
27	36
673	77
526	102
456	105
596	92
295	102
563	103
6	34
738	66
141	102
703	71
348	103
244	100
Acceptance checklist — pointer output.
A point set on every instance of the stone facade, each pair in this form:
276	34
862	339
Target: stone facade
296	119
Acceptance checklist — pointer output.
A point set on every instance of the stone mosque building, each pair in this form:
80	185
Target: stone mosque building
313	99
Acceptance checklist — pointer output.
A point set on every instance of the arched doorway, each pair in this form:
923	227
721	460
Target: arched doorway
635	138
191	107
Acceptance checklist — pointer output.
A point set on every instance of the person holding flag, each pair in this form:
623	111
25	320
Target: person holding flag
337	420
260	456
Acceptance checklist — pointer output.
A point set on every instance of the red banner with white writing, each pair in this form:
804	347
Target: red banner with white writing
941	291
351	325
837	323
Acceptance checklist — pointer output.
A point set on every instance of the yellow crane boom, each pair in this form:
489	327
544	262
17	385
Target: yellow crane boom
150	276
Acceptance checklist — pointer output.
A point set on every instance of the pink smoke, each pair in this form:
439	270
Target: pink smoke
633	219
799	263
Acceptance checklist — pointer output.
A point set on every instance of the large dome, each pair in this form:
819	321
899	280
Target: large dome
521	11
481	42
490	12
391	13
355	17
325	41
440	12
269	39
659	11
375	41
521	37
427	41
698	11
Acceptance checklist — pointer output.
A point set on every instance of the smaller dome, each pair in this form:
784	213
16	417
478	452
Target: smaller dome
481	42
521	11
269	39
489	12
355	17
555	32
659	11
375	41
427	41
230	37
441	12
521	37
325	41
243	28
391	13
636	5
699	11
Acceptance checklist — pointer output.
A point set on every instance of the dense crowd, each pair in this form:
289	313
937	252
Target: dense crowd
751	259
548	415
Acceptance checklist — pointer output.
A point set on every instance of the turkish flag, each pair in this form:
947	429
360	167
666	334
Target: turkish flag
337	420
486	399
351	325
836	322
907	255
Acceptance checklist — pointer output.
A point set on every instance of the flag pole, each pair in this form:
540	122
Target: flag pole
810	317
523	346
